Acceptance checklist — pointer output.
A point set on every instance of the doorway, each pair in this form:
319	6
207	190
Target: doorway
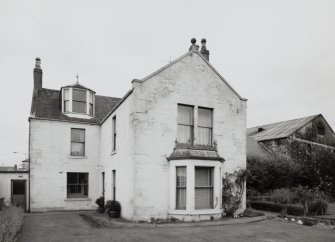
18	193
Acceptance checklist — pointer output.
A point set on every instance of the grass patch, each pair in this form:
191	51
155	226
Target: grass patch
252	213
11	219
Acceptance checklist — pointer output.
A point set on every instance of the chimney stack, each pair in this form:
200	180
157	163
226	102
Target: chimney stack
38	74
204	52
194	47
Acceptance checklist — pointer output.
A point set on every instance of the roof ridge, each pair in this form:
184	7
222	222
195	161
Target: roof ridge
259	126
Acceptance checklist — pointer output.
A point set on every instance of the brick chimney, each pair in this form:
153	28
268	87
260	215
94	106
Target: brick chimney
194	47
38	74
204	52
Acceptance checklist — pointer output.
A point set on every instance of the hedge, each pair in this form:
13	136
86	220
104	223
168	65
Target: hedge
11	219
277	207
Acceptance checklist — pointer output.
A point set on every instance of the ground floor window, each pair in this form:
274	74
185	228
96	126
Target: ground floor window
203	187
77	184
181	187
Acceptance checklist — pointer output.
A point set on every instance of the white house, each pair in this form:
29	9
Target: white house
160	151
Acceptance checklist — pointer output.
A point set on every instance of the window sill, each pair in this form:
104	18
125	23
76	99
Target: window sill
69	199
77	157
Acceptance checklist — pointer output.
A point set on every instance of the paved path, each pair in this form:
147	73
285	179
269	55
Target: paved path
69	226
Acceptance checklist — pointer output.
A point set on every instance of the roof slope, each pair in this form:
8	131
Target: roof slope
46	104
279	130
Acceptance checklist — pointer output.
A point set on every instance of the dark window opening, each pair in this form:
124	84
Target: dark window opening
77	184
321	129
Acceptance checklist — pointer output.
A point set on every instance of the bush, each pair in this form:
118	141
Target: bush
317	207
100	202
11	219
112	206
277	208
284	196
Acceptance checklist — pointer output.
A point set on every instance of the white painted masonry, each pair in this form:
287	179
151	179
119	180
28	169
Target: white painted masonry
50	143
146	130
5	184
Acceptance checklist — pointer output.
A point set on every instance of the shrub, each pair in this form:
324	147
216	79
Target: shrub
100	202
11	219
317	207
284	196
2	203
112	206
295	210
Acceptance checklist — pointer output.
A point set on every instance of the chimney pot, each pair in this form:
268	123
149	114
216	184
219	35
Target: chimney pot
38	74
194	47
204	52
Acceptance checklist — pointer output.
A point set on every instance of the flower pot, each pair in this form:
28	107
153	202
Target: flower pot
100	209
113	214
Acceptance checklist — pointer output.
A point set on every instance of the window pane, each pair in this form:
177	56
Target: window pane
184	134
181	176
71	178
203	198
79	95
185	115
205	117
204	136
78	135
91	97
66	106
78	107
181	198
203	177
66	94
203	188
91	109
77	149
181	187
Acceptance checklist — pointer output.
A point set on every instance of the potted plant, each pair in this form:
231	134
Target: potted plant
113	208
100	202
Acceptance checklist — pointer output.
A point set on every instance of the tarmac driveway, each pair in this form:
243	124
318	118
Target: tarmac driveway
70	226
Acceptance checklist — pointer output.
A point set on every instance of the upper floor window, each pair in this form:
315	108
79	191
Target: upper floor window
205	122
185	124
77	102
77	142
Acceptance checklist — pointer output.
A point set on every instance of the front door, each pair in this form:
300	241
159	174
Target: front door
19	193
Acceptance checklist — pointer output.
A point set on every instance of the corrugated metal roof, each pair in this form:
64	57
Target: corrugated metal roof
278	130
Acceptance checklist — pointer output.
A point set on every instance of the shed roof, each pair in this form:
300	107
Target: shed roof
279	130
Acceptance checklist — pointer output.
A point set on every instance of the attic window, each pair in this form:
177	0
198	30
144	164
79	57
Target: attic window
78	101
321	129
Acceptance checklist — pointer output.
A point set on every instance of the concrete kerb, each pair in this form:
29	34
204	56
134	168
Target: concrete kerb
226	221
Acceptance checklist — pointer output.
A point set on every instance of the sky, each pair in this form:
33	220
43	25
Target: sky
280	55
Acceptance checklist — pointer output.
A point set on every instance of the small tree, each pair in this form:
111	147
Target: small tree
233	187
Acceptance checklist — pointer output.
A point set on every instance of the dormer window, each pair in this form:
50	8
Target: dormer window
78	102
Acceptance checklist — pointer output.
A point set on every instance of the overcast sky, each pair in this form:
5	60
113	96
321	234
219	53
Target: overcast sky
279	54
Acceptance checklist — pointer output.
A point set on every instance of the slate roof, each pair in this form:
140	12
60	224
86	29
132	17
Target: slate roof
182	154
7	168
46	104
279	130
